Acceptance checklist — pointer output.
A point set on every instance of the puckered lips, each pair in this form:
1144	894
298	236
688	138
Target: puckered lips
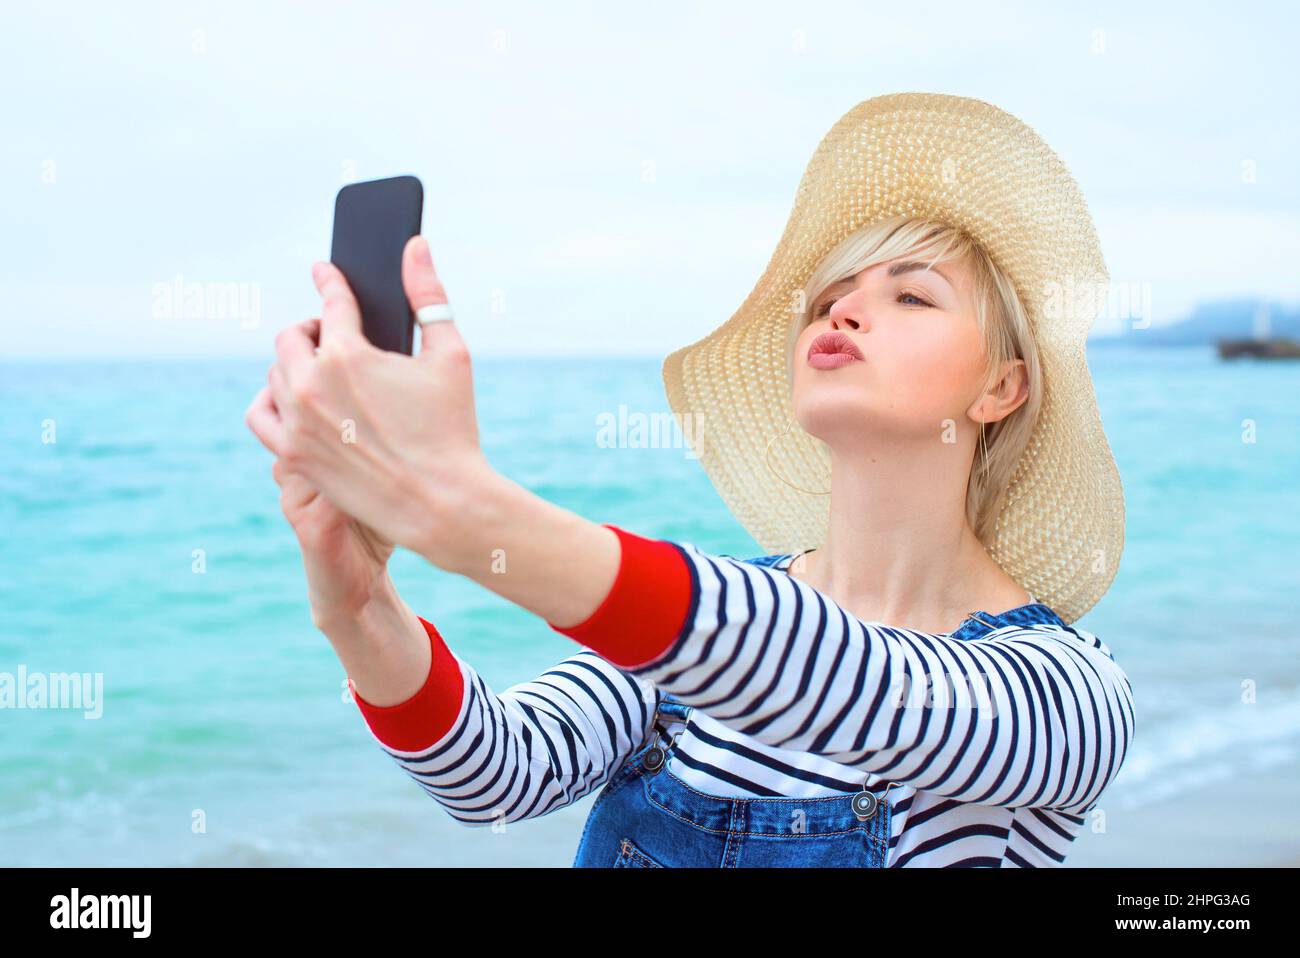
833	349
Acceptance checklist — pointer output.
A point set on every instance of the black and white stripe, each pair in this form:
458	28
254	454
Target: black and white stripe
795	697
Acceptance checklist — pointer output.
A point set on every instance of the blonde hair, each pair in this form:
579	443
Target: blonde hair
1004	327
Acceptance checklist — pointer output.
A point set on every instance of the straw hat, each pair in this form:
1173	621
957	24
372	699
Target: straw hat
968	164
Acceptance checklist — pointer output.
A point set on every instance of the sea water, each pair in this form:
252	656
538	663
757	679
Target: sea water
143	548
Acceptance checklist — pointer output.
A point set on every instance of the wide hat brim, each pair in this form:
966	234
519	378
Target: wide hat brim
969	164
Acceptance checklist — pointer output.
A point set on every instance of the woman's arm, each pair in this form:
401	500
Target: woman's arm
1039	716
376	448
562	566
536	747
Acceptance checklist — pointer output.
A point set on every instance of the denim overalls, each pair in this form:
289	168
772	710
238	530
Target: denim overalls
646	817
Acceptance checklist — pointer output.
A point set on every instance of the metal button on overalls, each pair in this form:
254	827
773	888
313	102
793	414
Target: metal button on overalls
865	805
654	759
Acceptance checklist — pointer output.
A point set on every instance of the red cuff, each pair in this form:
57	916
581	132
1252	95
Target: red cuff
646	608
427	715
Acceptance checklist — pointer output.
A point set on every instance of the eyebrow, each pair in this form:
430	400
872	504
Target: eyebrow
898	269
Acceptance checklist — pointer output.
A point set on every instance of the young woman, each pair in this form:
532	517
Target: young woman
835	702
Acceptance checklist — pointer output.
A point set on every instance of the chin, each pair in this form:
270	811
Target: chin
846	417
833	414
817	392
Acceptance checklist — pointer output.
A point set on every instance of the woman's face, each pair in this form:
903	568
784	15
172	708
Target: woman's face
909	354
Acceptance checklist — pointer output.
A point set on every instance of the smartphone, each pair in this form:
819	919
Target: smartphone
372	222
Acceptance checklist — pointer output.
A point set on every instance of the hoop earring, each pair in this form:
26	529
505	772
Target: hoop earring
767	461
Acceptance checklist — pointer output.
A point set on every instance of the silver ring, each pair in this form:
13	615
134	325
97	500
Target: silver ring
433	312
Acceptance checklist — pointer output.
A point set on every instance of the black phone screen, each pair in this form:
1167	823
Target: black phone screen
372	222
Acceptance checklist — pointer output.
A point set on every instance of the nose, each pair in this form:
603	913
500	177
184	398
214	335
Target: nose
844	322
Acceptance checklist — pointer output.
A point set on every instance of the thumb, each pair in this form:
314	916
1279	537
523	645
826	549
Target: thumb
438	337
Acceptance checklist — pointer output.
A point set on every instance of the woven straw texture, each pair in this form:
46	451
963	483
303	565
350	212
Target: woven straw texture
969	164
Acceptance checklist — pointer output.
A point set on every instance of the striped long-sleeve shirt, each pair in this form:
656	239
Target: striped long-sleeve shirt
999	745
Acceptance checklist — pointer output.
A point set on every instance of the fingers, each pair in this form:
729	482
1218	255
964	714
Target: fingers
295	491
340	320
262	418
275	378
424	288
295	348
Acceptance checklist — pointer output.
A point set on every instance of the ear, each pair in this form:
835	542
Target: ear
1006	396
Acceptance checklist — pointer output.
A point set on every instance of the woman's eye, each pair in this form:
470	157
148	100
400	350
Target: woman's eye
825	307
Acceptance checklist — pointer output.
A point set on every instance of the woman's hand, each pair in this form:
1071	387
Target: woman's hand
390	440
346	563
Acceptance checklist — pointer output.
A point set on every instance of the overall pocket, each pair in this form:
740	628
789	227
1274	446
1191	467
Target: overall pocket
607	816
629	856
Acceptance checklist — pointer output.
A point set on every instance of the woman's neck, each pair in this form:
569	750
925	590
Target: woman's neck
898	546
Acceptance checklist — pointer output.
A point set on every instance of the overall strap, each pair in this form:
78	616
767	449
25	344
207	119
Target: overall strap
981	623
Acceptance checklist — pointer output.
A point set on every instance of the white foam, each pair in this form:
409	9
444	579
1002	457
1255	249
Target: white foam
1213	744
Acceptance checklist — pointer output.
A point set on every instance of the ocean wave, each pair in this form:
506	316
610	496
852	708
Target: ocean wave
1216	743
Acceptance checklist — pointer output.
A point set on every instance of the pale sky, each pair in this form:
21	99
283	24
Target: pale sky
597	179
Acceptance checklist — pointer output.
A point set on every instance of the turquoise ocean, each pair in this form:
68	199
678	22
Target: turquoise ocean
143	543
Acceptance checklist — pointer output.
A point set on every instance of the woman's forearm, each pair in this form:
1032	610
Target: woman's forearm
538	555
384	650
534	553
